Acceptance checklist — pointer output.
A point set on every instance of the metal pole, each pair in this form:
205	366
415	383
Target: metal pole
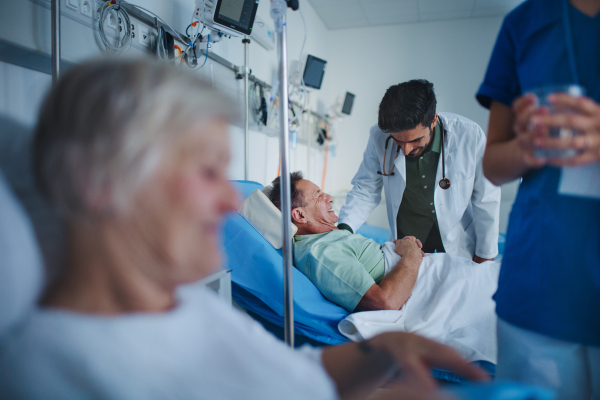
55	40
246	42
309	138
286	210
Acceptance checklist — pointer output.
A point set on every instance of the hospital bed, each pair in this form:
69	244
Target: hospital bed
257	285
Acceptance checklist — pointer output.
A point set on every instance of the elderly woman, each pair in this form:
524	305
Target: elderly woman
134	155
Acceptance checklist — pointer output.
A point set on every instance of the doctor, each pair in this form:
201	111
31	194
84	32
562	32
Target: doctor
430	167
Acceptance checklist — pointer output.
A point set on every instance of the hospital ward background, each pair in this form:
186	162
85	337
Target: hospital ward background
341	58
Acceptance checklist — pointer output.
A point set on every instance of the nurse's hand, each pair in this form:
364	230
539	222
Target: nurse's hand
584	116
479	260
416	355
524	111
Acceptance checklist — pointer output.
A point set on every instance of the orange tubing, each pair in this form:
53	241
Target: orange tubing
325	165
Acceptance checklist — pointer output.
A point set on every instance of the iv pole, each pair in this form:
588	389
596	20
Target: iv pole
278	11
246	43
55	10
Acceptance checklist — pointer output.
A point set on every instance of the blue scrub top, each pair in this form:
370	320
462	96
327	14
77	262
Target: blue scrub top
550	277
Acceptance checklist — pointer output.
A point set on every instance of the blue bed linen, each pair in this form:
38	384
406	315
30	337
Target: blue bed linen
501	391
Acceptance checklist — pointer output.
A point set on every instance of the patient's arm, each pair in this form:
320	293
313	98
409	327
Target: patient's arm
396	287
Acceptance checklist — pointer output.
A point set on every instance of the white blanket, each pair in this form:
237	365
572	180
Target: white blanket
450	303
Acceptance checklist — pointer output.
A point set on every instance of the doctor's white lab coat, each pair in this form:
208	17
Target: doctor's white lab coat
468	213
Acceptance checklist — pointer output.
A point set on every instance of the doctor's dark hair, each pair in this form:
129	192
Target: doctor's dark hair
406	106
296	195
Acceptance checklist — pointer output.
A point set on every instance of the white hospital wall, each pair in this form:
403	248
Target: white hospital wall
453	55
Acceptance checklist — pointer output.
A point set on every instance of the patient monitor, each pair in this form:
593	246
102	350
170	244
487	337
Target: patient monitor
229	17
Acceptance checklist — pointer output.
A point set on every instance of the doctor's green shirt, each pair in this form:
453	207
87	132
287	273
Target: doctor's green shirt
417	215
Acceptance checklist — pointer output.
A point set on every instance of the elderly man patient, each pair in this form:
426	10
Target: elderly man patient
440	294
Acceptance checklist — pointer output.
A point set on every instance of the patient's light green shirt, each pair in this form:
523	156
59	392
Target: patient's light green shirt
342	265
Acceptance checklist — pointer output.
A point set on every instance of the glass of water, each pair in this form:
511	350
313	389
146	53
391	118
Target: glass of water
566	133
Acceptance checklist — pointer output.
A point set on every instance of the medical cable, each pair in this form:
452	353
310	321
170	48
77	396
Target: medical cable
387	142
444	182
298	70
161	51
181	38
122	16
206	55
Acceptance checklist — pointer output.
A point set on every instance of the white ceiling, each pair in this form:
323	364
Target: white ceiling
343	14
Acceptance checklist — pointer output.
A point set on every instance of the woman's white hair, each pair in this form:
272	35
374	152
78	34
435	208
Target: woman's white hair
103	129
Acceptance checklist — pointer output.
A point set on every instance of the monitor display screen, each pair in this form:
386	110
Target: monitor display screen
236	14
348	103
314	71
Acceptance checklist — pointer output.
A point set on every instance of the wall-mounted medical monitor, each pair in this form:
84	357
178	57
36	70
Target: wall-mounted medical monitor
313	72
237	15
348	103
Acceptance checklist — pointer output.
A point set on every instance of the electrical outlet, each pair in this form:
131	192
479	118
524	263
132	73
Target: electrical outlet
111	20
133	31
98	7
86	7
72	4
145	39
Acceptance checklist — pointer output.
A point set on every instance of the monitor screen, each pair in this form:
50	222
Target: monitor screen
236	14
348	103
314	71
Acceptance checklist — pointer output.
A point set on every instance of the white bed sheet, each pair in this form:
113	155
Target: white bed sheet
450	303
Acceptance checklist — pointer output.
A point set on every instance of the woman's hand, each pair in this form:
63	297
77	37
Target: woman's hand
416	355
583	116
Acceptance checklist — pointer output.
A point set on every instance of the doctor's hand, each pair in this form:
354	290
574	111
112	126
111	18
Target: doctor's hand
408	245
583	116
416	355
479	260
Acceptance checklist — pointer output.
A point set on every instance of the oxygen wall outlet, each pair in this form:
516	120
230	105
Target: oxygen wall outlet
98	7
145	38
111	20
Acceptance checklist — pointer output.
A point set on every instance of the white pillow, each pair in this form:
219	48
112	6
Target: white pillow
265	218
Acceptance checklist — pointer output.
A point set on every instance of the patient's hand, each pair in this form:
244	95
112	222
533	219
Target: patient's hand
409	245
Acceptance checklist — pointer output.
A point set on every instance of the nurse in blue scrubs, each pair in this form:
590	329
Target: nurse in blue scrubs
548	298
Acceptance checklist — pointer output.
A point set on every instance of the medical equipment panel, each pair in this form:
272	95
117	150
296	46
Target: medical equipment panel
348	103
314	70
231	17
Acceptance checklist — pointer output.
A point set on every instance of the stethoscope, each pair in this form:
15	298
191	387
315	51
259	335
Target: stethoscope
444	183
571	49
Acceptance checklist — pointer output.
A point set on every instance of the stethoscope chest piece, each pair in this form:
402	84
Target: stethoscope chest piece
445	183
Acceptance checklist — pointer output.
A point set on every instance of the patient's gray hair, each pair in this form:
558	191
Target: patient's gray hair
102	131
